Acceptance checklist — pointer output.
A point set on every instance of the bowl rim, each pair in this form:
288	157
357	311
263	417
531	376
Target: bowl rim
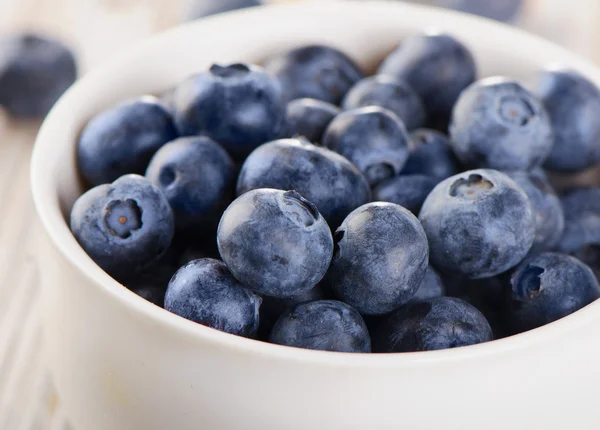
56	227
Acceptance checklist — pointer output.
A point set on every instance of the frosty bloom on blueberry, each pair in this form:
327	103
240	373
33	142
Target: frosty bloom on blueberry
479	224
123	226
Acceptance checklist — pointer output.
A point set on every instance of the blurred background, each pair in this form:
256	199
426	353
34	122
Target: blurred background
95	30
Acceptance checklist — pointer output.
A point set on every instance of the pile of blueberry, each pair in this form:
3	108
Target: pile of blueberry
304	204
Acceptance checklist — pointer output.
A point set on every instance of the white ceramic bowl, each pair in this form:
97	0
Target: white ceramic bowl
121	363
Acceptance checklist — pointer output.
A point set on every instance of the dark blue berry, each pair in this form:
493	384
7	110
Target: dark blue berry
372	138
34	72
314	71
239	106
479	224
123	139
324	177
498	124
124	226
548	287
309	118
197	176
437	66
275	242
408	191
390	93
547	209
431	155
204	291
380	258
573	104
440	323
325	325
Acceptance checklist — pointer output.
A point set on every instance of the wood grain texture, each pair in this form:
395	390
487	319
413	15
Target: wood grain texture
97	30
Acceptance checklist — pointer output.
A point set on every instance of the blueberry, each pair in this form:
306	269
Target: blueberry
380	258
505	10
237	105
124	226
431	155
123	139
201	8
548	287
547	209
431	287
440	323
389	93
34	72
309	118
408	191
275	242
325	178
197	177
325	325
372	138
314	71
581	235
498	124
272	307
437	66
573	104
204	291
479	224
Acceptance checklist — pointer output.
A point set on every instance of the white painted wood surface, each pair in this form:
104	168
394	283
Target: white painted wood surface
97	29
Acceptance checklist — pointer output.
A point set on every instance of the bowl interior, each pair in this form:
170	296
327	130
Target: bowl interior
365	31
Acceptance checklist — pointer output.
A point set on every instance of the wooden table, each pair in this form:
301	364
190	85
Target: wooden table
97	29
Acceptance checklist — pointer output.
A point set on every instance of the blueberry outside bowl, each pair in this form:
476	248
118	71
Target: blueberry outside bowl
121	363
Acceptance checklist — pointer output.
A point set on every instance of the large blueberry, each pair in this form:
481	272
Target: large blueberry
325	325
124	226
390	93
239	106
581	235
479	224
547	209
197	176
123	139
437	66
432	286
573	103
498	124
324	177
309	118
275	242
201	8
372	138
204	291
440	323
431	155
380	258
548	287
34	72
314	71
272	307
408	191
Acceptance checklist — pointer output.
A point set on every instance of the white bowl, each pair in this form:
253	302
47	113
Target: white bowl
121	363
